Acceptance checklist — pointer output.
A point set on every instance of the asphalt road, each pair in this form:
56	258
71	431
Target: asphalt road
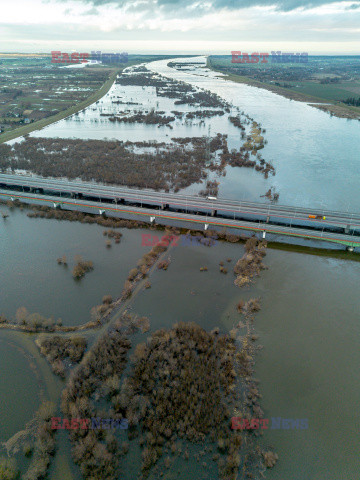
247	210
149	214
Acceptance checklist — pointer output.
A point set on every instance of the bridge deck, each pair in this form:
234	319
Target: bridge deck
97	206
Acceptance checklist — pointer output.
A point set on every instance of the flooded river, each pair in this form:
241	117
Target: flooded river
316	156
309	324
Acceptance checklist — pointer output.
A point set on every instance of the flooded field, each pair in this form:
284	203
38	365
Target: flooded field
308	326
313	168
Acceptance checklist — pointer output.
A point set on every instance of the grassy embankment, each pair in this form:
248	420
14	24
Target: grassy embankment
327	99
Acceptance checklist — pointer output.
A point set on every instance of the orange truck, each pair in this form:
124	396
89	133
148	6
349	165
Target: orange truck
317	217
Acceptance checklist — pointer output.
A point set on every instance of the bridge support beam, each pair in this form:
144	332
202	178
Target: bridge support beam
102	212
264	234
213	213
152	220
347	229
206	226
57	205
268	219
164	206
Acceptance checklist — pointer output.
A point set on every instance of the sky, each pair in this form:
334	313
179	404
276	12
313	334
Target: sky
180	26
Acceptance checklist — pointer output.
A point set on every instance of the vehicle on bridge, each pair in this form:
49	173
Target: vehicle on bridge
317	217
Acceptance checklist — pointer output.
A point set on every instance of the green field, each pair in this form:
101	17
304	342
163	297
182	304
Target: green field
321	79
338	92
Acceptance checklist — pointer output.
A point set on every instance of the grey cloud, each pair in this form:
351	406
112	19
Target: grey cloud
281	5
92	11
354	6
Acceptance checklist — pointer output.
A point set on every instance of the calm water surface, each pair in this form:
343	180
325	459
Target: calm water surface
309	323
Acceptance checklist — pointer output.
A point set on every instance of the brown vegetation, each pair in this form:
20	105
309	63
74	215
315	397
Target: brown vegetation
98	378
62	260
82	267
44	446
56	349
250	264
113	234
8	469
180	387
170	168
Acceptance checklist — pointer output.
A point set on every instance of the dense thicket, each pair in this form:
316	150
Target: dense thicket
98	377
56	349
182	386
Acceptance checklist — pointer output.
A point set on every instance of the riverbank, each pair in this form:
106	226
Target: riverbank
339	110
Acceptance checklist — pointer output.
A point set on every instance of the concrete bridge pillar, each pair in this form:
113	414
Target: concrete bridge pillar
268	219
213	213
57	205
152	220
347	229
206	226
101	212
264	234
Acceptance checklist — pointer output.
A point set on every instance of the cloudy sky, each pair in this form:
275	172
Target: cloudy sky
181	26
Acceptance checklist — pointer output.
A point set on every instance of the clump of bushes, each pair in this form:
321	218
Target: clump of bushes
181	386
56	349
250	264
62	260
44	447
164	264
33	322
8	469
98	378
82	267
113	234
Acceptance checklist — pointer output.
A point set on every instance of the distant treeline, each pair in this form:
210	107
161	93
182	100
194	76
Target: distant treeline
355	102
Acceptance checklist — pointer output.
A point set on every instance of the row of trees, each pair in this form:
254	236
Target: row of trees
355	102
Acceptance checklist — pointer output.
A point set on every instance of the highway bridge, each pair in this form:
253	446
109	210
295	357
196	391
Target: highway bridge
310	223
